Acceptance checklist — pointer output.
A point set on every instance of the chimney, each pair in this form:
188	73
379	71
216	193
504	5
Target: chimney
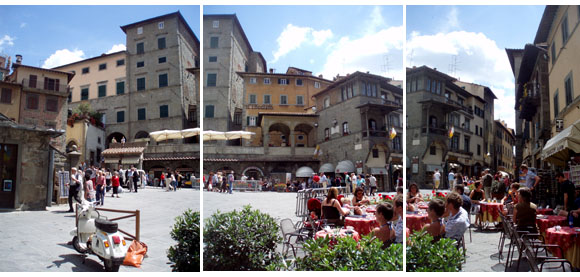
435	68
271	70
320	76
9	62
18	59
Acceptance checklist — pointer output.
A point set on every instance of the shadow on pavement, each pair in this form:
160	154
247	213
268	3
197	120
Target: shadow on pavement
80	264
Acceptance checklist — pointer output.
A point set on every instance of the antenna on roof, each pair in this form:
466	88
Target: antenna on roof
386	67
453	66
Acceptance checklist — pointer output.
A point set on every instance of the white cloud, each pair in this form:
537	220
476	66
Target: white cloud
452	20
311	61
23	24
117	48
479	60
6	40
365	53
62	57
292	37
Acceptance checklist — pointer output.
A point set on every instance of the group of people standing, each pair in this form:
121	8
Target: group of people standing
91	183
220	182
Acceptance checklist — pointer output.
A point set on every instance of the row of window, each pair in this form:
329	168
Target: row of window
160	60
565	35
161	44
142	113
120	87
160	26
32	100
283	99
103	66
569	94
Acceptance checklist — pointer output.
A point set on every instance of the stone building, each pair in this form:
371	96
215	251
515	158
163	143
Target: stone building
355	116
31	135
151	86
226	52
440	134
533	128
289	94
504	143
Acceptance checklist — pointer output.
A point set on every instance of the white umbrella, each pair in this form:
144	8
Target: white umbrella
187	133
165	135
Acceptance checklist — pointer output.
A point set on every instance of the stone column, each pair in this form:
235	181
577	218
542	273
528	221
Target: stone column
292	142
266	136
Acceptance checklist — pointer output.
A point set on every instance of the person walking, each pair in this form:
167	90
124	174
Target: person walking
436	179
135	179
100	187
116	182
129	180
121	176
487	181
108	177
73	188
373	184
231	181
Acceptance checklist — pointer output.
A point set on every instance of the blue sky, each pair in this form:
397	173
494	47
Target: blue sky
72	33
478	36
326	40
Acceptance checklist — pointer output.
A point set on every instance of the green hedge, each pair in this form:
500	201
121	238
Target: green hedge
185	255
425	256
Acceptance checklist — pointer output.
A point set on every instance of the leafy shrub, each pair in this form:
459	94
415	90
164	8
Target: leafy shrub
240	240
347	254
425	256
185	255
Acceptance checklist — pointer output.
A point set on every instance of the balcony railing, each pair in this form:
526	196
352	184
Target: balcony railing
41	85
434	131
374	133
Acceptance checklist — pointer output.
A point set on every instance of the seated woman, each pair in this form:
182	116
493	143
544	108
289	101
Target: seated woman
414	196
332	208
358	200
384	214
477	196
524	213
511	197
435	212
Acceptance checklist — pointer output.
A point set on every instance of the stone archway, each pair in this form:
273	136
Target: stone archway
253	172
279	135
117	136
304	135
142	135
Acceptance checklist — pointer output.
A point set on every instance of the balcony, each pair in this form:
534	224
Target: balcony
434	131
52	86
374	133
440	102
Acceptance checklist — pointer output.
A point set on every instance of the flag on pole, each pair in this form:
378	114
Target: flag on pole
317	151
392	133
451	131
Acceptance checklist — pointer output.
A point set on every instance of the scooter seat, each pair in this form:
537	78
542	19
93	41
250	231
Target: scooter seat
106	225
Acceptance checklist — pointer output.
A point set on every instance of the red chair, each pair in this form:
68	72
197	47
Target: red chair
339	198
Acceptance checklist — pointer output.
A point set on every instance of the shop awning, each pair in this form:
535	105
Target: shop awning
344	166
556	149
304	172
327	167
378	171
432	167
111	160
130	160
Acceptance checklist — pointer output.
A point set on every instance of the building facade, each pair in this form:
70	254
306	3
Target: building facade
226	52
356	115
504	144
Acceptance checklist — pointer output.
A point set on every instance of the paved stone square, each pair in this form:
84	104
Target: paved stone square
40	240
279	205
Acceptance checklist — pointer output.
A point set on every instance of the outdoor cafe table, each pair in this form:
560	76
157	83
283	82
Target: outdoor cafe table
567	238
342	233
545	211
549	221
423	205
363	225
371	209
415	222
491	211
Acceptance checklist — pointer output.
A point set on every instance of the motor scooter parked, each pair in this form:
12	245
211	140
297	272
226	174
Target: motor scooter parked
99	236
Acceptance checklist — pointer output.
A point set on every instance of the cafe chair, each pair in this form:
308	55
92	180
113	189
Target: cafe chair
293	237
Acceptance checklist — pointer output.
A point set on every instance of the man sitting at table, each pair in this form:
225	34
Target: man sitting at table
458	220
399	226
460	189
435	211
384	214
576	209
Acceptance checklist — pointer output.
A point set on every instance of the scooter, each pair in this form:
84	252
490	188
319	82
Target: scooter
99	236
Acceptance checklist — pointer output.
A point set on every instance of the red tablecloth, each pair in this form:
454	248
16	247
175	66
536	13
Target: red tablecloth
416	222
491	211
549	222
362	225
371	210
547	211
567	238
321	234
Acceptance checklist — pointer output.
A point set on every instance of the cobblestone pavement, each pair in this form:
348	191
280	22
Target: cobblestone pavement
279	205
40	240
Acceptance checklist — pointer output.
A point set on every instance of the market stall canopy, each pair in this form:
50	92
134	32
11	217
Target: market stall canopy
345	166
215	135
556	149
187	133
327	167
304	172
165	135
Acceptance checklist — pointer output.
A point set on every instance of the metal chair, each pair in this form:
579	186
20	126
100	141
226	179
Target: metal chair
289	231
